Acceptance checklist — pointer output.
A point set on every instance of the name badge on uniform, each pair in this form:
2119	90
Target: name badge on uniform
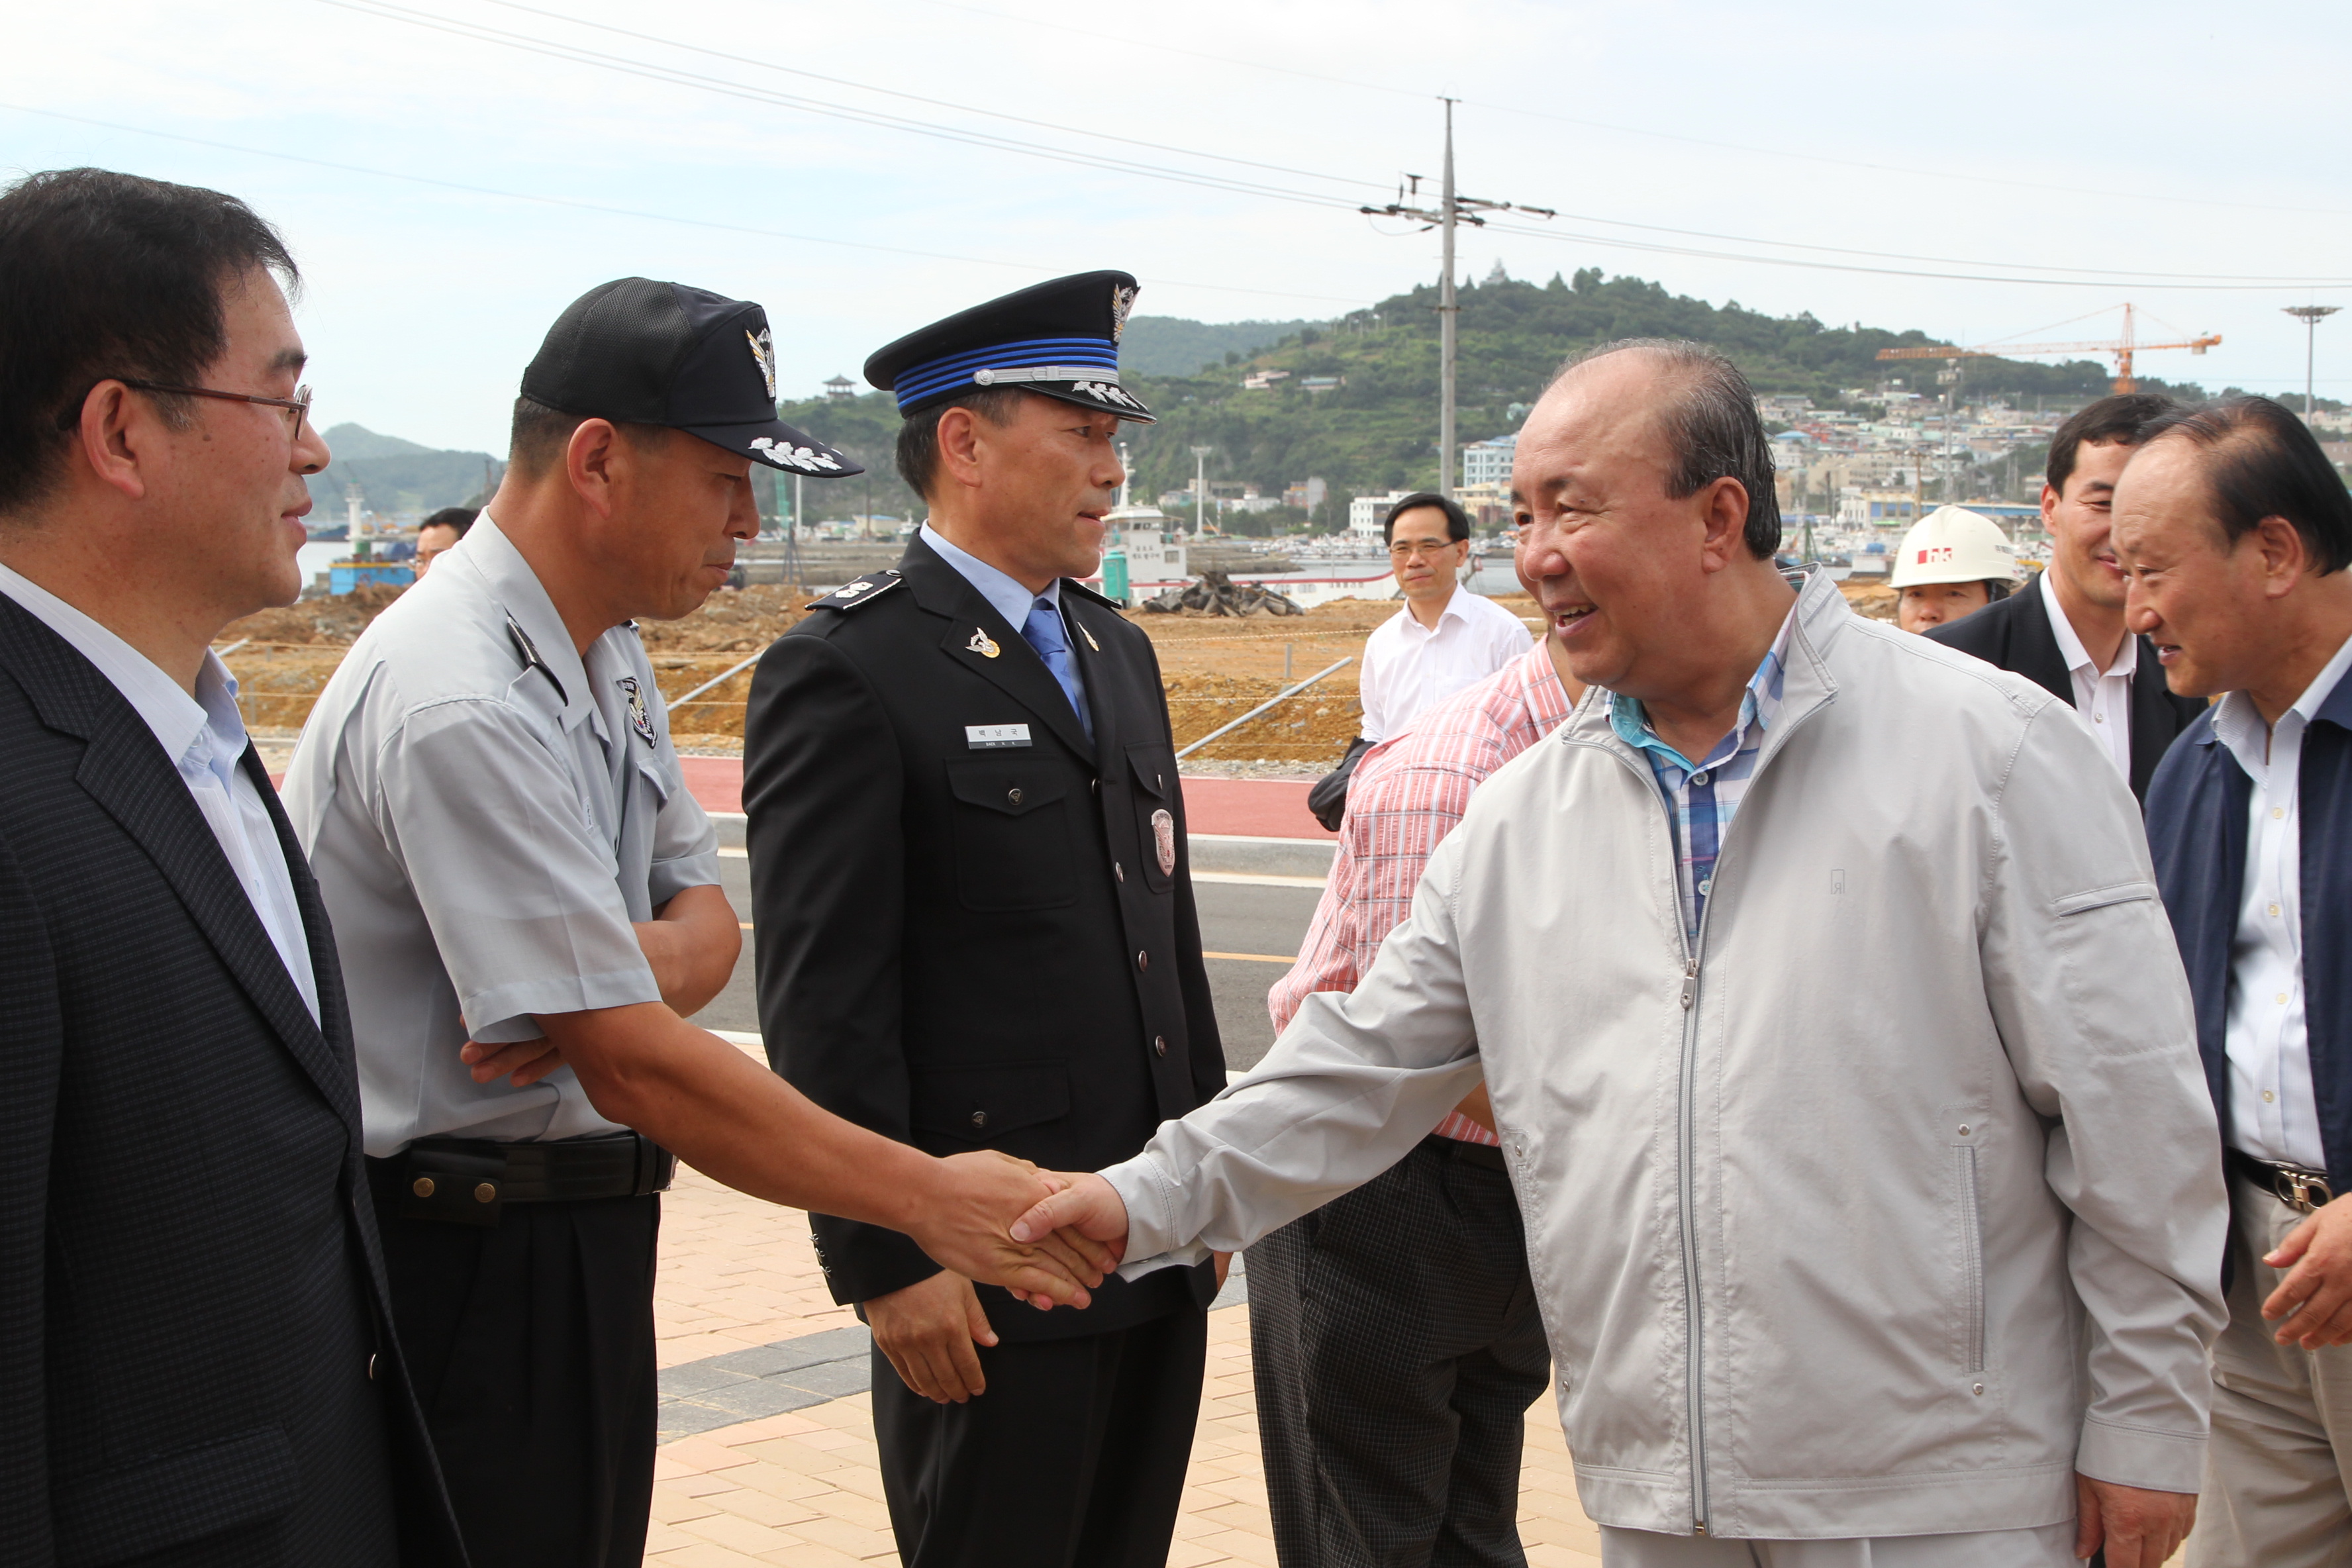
993	737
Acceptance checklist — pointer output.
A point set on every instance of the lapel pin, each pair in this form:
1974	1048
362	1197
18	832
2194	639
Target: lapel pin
1090	637
982	644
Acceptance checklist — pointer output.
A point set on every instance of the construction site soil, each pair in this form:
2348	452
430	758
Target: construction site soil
1214	668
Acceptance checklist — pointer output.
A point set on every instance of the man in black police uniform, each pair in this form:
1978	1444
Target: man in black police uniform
977	931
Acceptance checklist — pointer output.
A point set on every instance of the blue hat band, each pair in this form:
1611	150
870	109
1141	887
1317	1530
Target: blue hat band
1095	357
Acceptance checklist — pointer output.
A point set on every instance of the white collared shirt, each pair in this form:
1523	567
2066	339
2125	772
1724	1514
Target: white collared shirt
205	737
488	811
1410	668
2273	1114
2103	698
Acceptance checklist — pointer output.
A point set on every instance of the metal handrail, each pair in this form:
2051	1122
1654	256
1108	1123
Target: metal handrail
732	671
1261	708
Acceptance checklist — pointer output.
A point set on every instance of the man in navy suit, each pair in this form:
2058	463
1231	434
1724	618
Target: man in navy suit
195	1362
2234	532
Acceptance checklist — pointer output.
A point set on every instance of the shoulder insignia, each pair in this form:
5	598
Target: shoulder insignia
530	658
862	590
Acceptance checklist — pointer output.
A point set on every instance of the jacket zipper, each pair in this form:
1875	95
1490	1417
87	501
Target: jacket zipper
1694	1381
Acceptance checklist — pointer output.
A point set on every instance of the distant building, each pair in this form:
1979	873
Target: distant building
1260	380
1488	503
1877	509
1306	494
1365	512
840	386
1489	462
1322	382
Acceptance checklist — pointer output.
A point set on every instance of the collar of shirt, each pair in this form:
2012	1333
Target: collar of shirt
2238	723
1007	596
520	592
1410	624
181	723
2070	647
1759	706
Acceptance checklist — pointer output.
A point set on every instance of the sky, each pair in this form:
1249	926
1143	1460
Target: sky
452	173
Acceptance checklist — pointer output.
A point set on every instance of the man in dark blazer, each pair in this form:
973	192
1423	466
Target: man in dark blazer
2064	630
2239	534
194	1363
976	929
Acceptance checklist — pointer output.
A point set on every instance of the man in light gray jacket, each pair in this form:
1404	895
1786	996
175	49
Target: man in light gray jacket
1838	1045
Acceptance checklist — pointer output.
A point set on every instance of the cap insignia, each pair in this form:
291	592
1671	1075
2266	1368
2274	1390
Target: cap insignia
763	351
982	644
806	460
1122	301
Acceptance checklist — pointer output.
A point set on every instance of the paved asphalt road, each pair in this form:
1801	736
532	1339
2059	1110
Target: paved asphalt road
1235	917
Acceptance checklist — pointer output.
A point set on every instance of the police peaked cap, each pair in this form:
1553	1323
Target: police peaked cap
640	353
1059	339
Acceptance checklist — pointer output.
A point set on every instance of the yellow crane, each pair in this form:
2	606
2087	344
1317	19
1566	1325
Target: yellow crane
2123	349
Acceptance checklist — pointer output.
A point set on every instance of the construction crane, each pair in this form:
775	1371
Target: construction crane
2123	349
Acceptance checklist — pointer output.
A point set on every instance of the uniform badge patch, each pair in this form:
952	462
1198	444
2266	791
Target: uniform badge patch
1163	839
982	644
641	718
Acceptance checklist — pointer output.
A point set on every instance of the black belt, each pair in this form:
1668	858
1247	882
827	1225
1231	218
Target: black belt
467	1181
1482	1154
2300	1189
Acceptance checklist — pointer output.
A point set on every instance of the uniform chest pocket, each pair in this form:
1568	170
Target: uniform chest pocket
1011	833
1151	769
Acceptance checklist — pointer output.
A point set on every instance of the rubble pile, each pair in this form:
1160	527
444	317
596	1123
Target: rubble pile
1214	593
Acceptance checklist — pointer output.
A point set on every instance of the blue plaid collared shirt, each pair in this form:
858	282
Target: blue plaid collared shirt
1706	795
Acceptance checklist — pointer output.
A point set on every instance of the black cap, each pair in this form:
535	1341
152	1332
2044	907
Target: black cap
640	353
1060	338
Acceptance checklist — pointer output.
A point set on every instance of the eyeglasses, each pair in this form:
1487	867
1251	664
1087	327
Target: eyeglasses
298	407
1431	548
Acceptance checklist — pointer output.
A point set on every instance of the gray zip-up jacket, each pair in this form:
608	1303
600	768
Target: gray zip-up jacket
1882	1210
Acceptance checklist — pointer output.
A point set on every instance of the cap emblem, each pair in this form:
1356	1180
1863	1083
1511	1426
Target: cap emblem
763	351
982	644
791	456
1122	301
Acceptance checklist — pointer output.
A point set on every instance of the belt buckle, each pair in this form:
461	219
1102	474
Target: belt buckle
2296	1189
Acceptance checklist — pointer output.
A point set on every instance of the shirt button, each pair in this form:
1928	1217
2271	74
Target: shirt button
2098	717
1159	1045
2268	1097
1706	884
2274	912
2277	812
2282	998
1143	961
1698	778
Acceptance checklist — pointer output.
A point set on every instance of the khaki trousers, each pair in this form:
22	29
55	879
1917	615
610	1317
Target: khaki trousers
2276	1468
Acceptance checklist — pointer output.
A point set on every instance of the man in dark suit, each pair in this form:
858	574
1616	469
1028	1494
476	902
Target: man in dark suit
194	1363
976	929
2064	631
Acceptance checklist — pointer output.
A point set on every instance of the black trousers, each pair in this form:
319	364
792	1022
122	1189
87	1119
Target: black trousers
1074	1458
1397	1348
532	1343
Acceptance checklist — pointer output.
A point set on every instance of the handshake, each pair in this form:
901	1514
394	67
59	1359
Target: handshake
1048	1236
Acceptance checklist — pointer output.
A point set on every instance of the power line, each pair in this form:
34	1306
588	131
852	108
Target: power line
612	211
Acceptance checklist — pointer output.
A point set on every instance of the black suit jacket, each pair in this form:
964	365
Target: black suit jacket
190	1289
2014	634
969	948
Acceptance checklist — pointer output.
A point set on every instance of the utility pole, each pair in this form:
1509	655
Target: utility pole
2312	316
1201	491
1452	209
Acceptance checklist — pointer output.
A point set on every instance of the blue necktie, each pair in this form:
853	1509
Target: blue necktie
1043	631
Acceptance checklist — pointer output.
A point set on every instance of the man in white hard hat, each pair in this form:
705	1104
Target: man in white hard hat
1952	564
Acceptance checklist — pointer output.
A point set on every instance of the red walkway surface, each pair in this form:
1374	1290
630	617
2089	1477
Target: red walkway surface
1255	808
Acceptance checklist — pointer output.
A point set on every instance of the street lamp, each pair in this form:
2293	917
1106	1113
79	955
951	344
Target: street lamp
1201	491
2312	316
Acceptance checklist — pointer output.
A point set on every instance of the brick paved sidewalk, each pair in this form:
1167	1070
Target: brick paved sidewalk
801	1488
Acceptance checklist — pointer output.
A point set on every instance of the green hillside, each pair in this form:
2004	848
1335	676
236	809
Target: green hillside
397	475
1379	431
1170	345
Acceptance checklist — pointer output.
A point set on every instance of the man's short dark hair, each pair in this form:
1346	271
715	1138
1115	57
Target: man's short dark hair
2122	420
460	517
1457	522
110	275
1712	427
540	434
918	438
2260	460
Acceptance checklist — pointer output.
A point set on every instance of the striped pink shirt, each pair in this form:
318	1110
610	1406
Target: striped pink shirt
1407	794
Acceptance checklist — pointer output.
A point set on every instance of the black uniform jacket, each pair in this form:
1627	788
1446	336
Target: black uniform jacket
192	1357
972	947
2014	634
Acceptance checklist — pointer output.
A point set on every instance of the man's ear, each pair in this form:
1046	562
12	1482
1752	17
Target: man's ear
1724	513
116	432
2283	559
589	460
960	440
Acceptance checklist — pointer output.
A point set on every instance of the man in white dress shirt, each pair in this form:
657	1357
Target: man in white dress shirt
2235	533
1446	639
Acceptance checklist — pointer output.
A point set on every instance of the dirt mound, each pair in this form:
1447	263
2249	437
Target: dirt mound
337	618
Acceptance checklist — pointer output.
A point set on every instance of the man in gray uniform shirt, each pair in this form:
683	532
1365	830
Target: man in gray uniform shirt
528	903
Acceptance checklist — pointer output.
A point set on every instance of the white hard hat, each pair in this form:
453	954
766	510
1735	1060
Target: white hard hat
1953	544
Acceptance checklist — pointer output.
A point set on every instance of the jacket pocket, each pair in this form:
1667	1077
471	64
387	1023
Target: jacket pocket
176	1499
1152	769
1972	1272
1011	835
981	1104
2100	898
